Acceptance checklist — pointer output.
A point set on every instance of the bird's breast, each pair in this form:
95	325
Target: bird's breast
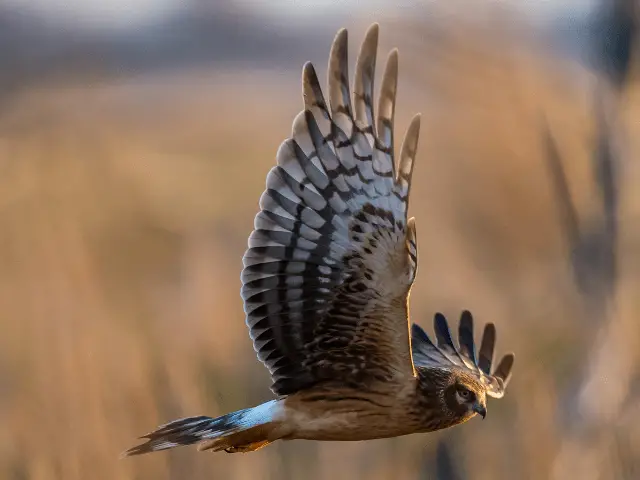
343	417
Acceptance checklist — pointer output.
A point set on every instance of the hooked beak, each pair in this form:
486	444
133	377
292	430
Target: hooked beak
480	410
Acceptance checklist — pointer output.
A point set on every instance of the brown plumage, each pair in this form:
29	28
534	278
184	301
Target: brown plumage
326	284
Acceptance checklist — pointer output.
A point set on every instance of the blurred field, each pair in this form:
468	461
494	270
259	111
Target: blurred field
125	205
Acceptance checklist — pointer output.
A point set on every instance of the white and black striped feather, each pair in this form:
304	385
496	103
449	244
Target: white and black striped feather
332	257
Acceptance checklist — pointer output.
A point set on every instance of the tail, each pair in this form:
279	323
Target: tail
241	431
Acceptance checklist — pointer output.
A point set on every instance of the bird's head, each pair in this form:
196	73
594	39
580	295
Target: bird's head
464	396
449	397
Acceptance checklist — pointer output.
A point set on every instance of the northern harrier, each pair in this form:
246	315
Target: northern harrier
326	284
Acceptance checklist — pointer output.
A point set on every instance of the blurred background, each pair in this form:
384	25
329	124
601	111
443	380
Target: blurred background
135	137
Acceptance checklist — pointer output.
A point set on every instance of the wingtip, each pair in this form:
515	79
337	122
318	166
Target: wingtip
372	34
465	336
340	38
439	317
368	51
417	331
509	358
410	144
441	327
505	368
341	31
373	28
490	327
307	68
311	91
391	68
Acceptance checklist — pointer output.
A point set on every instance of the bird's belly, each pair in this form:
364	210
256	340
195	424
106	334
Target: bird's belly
340	425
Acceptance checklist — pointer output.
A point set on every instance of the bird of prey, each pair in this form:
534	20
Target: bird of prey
326	283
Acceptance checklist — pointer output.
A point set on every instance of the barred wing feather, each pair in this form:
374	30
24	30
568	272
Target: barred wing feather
332	257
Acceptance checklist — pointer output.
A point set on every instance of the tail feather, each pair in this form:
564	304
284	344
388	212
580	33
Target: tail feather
232	432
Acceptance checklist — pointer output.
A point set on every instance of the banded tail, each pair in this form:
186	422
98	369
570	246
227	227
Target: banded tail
242	431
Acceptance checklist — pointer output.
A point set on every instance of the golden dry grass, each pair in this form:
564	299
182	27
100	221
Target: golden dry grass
124	212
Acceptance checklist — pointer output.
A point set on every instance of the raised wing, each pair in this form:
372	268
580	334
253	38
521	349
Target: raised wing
445	354
333	256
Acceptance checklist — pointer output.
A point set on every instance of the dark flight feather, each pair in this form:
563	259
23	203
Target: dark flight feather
446	355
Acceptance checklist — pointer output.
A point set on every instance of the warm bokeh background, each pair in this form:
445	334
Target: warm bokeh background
132	156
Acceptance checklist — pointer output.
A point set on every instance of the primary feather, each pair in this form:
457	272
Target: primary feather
445	353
